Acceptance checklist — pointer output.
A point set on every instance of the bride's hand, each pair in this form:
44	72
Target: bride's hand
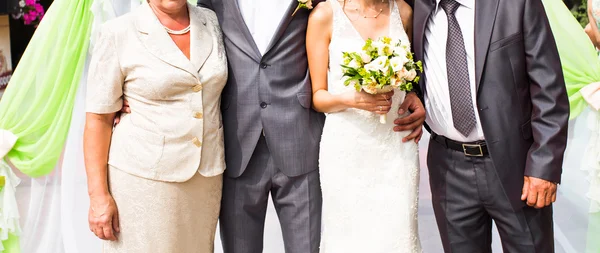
104	217
379	104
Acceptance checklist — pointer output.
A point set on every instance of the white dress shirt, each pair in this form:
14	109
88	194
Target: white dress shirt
437	96
262	17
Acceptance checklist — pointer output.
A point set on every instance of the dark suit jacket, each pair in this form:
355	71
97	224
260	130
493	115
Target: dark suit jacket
521	97
270	92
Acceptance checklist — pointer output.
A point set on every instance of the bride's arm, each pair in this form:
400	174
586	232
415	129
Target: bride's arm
318	37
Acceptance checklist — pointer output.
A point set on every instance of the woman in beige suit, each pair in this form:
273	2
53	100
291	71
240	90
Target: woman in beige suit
155	179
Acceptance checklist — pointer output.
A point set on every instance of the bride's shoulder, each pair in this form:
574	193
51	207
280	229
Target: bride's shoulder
322	14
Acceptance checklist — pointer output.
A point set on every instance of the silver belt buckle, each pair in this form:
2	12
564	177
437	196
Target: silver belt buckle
465	146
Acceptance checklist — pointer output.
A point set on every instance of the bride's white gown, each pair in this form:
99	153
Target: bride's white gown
369	177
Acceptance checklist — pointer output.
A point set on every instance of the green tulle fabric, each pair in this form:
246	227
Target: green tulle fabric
577	53
38	102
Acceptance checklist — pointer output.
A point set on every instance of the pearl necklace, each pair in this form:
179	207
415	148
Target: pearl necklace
180	32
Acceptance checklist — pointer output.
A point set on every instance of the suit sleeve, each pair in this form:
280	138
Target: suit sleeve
550	111
205	3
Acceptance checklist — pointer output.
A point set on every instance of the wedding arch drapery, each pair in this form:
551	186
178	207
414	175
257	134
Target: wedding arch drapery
42	106
36	107
581	68
35	111
55	206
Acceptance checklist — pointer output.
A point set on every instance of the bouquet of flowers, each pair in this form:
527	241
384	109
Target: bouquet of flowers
31	11
380	67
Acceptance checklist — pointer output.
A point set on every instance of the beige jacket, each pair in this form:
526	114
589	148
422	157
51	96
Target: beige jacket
175	127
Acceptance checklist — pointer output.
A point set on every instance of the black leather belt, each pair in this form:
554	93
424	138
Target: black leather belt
478	148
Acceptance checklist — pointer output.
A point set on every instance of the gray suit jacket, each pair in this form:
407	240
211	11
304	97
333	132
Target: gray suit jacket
270	92
521	95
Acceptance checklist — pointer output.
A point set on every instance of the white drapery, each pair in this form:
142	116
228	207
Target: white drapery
54	208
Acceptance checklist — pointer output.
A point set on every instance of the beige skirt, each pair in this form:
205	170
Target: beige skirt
165	217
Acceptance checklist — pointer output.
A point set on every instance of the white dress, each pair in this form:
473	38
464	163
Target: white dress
369	178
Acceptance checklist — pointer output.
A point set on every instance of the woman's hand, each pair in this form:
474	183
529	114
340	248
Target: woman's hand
379	104
103	217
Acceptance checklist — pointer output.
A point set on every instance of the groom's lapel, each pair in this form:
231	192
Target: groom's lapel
423	9
285	21
485	17
249	47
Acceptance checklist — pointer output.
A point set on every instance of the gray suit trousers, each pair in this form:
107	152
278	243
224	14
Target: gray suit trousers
244	205
468	196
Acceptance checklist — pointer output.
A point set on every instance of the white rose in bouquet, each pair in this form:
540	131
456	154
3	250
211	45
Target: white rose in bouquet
354	64
371	67
410	75
402	49
383	49
370	85
366	58
397	63
379	64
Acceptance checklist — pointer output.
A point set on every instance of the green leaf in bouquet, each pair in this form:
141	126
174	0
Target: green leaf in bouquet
349	80
363	72
420	65
346	58
416	80
357	58
386	40
368	47
406	86
382	80
348	70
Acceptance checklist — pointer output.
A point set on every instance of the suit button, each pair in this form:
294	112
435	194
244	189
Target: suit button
263	65
197	88
198	115
197	142
263	105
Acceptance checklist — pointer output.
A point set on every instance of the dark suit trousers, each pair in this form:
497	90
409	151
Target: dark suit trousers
468	196
244	206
